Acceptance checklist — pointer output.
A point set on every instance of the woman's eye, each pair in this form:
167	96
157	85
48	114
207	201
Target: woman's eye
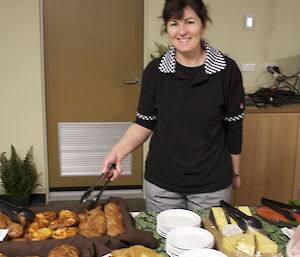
190	22
173	24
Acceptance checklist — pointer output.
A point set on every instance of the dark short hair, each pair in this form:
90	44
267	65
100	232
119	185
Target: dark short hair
175	8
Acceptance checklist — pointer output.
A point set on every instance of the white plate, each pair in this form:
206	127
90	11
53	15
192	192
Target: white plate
174	218
203	253
164	228
190	238
179	251
174	250
162	234
171	254
3	233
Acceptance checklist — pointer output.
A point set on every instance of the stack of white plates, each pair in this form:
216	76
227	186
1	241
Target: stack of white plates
203	253
181	240
175	218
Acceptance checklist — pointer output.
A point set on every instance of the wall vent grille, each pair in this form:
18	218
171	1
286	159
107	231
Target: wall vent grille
83	146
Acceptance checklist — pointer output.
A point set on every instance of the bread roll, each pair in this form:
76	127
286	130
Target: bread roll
64	251
92	223
114	221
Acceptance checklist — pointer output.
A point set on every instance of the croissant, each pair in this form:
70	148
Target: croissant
64	251
34	226
62	233
47	215
15	230
114	221
41	234
67	214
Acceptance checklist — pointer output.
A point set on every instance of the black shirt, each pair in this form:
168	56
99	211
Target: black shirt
196	117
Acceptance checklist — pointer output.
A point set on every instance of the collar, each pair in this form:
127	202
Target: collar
214	61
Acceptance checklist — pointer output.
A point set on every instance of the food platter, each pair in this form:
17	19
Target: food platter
275	218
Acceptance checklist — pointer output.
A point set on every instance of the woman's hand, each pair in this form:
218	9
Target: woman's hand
236	182
134	136
108	170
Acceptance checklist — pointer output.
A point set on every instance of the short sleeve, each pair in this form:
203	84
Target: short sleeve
234	107
146	114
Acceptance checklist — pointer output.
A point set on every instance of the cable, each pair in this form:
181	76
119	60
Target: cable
284	90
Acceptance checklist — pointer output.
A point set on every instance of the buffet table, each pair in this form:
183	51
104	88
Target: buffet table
147	221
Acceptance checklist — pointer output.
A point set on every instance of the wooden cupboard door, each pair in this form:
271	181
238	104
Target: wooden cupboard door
296	187
91	48
268	157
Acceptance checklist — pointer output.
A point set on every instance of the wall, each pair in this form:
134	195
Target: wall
275	37
21	82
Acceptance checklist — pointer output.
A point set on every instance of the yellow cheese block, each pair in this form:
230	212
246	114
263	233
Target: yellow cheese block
220	218
264	244
245	209
246	244
230	242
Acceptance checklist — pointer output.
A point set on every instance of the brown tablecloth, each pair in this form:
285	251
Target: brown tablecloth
89	247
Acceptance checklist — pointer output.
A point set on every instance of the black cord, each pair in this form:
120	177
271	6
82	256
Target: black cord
284	90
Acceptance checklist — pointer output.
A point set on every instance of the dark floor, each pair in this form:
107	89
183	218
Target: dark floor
133	204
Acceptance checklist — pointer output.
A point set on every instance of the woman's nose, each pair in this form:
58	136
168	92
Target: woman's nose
182	29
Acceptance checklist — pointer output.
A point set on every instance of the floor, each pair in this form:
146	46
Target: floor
133	204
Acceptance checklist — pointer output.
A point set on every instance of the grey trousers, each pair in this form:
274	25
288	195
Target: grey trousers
159	199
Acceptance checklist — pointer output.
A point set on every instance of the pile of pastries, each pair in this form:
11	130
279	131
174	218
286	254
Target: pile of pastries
66	223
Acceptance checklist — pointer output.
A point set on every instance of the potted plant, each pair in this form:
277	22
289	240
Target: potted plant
160	50
18	177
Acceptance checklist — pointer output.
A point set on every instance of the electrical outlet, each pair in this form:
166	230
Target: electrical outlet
270	64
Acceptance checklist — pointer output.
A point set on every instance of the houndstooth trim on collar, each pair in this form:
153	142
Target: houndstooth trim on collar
214	62
235	118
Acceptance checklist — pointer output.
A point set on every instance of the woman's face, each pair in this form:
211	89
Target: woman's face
185	34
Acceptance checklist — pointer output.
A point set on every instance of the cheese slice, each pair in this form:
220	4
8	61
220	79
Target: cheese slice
230	242
220	218
264	244
245	209
246	244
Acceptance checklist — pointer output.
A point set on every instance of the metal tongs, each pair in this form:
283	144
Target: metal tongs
88	192
12	211
242	217
280	208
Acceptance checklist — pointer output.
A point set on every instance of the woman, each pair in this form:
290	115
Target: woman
192	100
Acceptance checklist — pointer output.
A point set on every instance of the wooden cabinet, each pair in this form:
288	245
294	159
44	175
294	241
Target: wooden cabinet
270	162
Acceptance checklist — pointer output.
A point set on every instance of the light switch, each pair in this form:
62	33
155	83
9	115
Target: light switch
248	67
249	21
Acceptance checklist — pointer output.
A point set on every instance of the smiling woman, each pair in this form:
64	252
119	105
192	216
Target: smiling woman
192	100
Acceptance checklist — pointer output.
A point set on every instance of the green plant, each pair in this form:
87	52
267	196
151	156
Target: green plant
160	50
19	177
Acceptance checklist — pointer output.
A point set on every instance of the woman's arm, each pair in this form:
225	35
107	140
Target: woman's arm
235	159
135	136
